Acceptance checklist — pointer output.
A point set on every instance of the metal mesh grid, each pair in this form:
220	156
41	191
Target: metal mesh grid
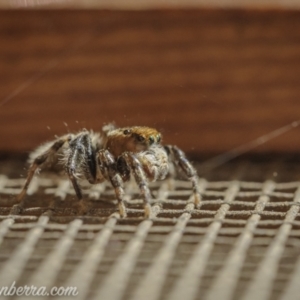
243	243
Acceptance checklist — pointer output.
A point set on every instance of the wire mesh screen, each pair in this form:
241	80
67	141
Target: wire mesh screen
242	243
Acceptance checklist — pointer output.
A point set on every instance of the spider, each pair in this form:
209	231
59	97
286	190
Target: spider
113	155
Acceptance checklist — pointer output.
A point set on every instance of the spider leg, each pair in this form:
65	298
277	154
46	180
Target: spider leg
109	167
38	161
179	158
72	175
136	168
81	161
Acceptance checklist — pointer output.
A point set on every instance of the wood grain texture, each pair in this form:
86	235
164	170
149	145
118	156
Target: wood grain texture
209	79
146	4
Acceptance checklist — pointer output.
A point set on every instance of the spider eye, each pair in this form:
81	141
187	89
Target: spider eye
140	138
126	131
158	138
151	140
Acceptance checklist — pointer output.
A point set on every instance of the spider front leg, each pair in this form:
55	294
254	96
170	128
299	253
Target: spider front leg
71	171
179	158
80	162
38	161
108	166
136	168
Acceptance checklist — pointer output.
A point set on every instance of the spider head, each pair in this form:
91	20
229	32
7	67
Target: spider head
133	139
143	135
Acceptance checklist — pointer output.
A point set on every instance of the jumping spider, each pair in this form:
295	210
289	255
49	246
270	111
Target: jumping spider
112	155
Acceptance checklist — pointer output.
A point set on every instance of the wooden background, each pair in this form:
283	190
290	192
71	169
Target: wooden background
211	80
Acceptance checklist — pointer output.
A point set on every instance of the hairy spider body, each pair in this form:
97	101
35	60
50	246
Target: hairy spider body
113	155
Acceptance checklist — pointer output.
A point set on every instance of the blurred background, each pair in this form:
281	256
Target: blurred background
211	76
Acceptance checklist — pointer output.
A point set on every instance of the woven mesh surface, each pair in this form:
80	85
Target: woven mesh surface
243	243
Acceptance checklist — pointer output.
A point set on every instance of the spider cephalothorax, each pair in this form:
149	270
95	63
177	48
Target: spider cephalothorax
133	139
112	155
